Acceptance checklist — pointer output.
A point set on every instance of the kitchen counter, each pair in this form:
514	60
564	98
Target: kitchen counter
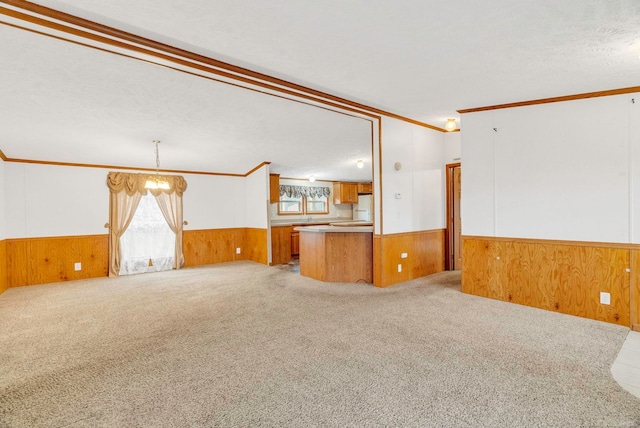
315	222
336	253
335	229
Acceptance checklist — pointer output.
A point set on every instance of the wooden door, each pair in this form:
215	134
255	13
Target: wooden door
457	220
453	241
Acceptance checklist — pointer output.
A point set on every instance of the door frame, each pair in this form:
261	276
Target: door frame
448	241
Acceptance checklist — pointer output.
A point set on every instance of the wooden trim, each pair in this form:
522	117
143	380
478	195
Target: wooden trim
556	242
257	168
307	180
170	53
582	96
49	238
128	168
2	156
635	327
415	232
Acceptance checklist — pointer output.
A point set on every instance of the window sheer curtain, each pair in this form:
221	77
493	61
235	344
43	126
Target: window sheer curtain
148	245
125	192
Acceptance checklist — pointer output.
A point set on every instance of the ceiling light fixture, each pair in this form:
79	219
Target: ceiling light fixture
360	164
312	178
157	182
450	125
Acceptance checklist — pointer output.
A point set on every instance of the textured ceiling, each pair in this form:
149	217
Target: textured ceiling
422	59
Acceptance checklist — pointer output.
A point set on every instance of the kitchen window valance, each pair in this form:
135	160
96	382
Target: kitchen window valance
304	191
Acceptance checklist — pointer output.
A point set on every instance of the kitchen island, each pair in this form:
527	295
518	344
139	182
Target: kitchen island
337	253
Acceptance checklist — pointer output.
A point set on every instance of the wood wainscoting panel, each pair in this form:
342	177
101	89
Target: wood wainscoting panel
635	290
209	246
425	255
4	282
33	261
377	260
281	244
550	275
256	245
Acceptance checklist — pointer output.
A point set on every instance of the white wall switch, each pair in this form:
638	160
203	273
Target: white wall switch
399	268
398	195
605	298
77	266
238	250
403	255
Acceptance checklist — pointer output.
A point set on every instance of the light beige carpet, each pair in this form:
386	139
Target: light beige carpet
241	344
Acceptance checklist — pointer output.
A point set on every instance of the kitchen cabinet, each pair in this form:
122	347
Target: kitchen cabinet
365	188
295	244
274	188
345	193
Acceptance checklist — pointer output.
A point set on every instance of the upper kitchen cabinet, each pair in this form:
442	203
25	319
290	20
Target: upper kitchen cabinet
345	193
274	188
365	188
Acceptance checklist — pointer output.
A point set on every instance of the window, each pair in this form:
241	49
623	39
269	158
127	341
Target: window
303	205
290	205
316	205
303	200
148	237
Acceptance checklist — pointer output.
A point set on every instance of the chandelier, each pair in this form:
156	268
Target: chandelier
157	182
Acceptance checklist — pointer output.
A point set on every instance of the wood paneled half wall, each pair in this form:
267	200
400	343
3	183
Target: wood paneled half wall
31	261
4	284
561	276
425	256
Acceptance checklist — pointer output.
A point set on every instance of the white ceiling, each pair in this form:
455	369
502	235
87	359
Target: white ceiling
417	58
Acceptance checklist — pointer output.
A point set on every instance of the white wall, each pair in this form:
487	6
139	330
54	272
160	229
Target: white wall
48	200
420	181
554	171
342	210
452	146
214	202
257	198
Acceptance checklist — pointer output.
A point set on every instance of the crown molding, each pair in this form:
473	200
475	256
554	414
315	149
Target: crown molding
582	96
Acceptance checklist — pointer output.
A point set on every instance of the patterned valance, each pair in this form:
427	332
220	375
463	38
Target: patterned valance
304	191
132	183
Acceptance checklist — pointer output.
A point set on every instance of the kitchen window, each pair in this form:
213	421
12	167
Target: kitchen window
296	200
316	205
290	205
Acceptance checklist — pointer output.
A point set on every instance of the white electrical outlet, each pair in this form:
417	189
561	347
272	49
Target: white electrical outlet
403	255
605	298
238	250
77	266
399	268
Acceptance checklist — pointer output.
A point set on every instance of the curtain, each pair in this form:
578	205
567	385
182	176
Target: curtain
304	191
122	207
148	245
125	190
171	206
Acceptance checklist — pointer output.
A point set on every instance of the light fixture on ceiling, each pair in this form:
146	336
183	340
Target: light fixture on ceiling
360	164
450	125
312	178
157	182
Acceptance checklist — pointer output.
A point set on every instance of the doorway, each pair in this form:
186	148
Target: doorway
453	241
